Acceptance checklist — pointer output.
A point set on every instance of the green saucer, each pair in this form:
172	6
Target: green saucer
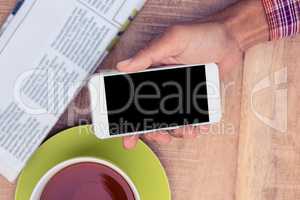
140	164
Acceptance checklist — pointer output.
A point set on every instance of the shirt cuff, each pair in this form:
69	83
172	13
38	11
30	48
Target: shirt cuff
283	17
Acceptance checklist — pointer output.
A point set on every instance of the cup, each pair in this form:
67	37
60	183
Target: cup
52	177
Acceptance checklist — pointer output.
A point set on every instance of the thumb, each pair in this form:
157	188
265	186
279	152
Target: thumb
159	50
230	63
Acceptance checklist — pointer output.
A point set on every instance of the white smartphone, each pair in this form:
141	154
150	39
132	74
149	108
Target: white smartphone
164	98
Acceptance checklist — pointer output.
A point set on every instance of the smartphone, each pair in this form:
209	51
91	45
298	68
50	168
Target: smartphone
163	98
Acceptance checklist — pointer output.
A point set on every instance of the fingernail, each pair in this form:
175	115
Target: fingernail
124	64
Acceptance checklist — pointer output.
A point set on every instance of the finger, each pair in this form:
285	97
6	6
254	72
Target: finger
190	132
204	128
158	51
161	137
121	66
185	132
130	142
176	134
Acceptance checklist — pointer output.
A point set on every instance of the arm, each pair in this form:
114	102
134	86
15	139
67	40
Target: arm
255	21
222	38
247	23
237	28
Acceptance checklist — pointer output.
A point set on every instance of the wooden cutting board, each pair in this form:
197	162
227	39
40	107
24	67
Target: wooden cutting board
269	153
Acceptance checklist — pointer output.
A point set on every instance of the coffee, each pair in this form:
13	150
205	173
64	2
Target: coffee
87	181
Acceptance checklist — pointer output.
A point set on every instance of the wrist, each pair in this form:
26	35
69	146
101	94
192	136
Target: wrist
246	22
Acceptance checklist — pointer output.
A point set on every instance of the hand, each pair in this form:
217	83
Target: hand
185	44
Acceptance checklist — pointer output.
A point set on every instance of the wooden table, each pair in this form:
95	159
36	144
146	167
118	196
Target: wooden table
254	153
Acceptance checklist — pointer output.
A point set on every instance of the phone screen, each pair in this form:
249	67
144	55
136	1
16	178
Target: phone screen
156	99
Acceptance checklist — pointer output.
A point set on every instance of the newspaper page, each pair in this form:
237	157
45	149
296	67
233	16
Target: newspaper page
47	50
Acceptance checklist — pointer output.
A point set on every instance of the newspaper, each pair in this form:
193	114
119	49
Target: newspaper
47	50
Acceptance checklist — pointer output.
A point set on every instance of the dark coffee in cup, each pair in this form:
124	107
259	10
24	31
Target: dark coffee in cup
87	181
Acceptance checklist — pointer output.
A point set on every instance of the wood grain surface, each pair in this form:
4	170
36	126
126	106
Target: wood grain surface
243	157
269	159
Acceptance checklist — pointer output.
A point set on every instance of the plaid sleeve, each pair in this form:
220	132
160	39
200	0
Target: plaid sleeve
283	17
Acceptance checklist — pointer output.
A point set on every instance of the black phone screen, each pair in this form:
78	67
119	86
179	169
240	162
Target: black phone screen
156	99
